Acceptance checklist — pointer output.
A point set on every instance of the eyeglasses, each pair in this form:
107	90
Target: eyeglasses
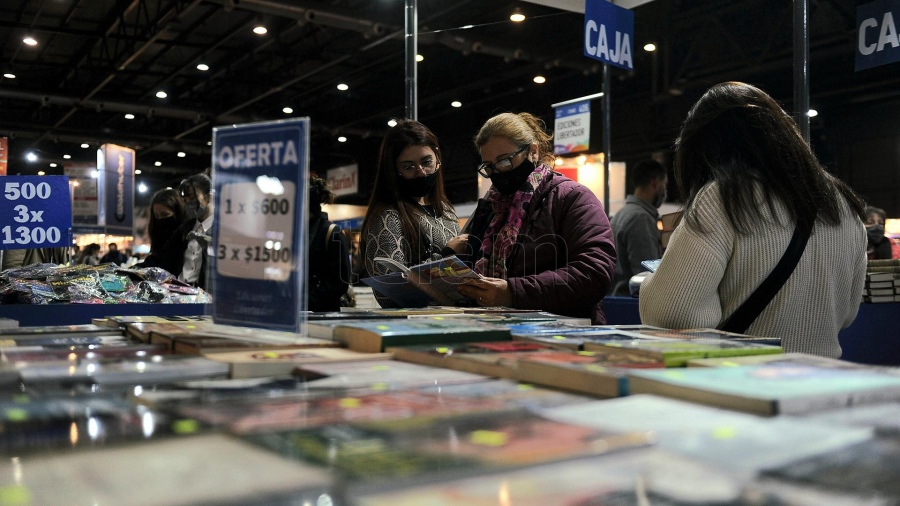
427	166
502	165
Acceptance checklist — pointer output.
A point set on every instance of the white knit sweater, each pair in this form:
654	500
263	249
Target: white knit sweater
704	277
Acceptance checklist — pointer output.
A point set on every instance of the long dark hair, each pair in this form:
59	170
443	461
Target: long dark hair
385	194
737	135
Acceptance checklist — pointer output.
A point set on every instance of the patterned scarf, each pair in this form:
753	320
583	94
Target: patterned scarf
509	213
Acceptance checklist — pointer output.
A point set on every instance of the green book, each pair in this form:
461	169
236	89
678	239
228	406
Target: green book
770	389
676	352
375	336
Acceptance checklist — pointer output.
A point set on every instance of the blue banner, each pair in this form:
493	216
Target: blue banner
877	41
609	33
35	212
115	184
258	267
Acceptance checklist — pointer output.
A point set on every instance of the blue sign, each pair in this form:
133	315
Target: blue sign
572	129
877	40
258	264
35	212
115	189
608	33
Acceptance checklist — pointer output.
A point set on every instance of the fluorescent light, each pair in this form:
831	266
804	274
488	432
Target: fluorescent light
342	139
129	116
158	164
161	94
181	154
30	41
392	123
9	76
287	110
343	87
812	113
202	66
540	79
31	157
85	145
456	103
260	30
53	165
67	156
419	57
517	17
649	47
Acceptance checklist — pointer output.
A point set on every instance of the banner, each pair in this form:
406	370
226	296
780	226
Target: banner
572	128
608	33
115	189
344	180
4	155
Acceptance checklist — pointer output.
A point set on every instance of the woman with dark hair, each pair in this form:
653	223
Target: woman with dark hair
751	185
166	215
329	252
880	246
409	218
541	240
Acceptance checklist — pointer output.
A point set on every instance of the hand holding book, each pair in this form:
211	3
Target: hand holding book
487	291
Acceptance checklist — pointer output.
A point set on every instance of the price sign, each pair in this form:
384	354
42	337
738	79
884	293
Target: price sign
35	212
260	172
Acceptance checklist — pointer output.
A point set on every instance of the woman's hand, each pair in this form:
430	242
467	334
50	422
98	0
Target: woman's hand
487	291
458	243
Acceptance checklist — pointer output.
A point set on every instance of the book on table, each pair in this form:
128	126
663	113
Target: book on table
158	369
434	281
84	330
575	338
676	352
598	373
379	375
787	358
737	441
497	359
375	336
770	389
281	361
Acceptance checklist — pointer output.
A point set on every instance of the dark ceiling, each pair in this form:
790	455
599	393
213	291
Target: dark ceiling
98	60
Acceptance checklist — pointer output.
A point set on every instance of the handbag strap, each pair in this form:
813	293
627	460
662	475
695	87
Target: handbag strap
746	314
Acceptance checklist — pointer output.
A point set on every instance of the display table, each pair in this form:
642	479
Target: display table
29	315
871	339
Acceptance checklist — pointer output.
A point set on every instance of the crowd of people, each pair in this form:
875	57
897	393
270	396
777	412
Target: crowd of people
761	221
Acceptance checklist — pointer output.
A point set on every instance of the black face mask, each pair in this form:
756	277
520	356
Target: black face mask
511	181
193	211
875	234
163	229
416	187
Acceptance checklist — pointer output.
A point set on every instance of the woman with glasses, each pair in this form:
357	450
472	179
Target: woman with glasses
541	240
410	218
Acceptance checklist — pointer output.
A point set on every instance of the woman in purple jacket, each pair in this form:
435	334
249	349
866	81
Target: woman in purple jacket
541	240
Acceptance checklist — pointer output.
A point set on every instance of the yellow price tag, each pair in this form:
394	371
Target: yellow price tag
488	438
349	403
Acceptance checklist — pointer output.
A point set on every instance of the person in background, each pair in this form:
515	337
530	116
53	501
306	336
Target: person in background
90	255
410	218
166	216
185	254
749	180
329	252
635	225
879	246
114	256
541	240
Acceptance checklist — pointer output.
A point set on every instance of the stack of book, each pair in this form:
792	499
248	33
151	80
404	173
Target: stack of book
882	281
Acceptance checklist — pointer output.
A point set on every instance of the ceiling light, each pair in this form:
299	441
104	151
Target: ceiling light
53	165
75	183
343	87
158	164
9	76
456	103
181	154
41	173
67	156
142	188
137	171
392	123
419	57
31	157
129	116
287	110
260	30
85	145
202	66
517	17
30	41
95	174
540	79
342	139
812	113
161	94
649	47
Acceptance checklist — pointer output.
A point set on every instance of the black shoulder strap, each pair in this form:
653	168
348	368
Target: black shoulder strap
746	314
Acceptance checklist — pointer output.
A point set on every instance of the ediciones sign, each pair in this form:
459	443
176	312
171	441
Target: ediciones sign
608	33
877	39
572	132
261	174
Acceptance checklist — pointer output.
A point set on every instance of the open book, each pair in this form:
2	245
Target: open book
419	285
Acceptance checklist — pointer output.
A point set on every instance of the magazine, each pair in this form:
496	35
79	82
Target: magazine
434	281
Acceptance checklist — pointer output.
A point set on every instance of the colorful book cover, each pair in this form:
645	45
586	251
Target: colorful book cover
497	359
379	375
596	373
770	389
256	363
676	352
375	336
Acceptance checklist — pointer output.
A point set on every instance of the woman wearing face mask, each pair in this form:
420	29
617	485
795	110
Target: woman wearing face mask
541	240
879	246
186	252
166	215
410	218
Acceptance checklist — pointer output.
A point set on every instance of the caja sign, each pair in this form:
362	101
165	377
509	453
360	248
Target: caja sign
877	41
